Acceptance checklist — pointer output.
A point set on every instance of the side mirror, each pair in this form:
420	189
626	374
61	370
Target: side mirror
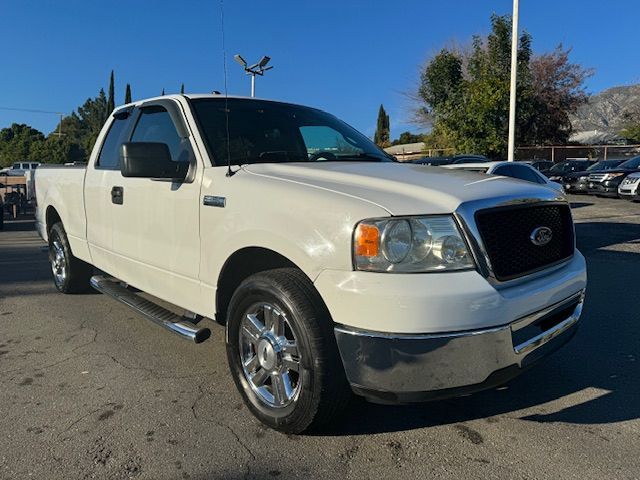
150	160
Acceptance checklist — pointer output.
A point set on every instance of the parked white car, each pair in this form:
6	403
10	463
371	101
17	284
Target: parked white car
20	168
629	187
519	170
334	268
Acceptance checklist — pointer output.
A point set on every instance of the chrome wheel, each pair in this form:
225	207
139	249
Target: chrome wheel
269	355
58	261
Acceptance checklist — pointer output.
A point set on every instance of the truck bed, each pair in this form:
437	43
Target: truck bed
62	185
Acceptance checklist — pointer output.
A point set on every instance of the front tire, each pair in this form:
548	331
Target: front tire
70	274
283	354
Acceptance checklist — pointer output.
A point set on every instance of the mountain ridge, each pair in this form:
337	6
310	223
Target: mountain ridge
607	110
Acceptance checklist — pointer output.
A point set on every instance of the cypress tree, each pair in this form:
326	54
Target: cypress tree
111	102
383	128
162	92
127	94
182	89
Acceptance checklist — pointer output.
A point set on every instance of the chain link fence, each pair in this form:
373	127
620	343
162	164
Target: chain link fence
559	153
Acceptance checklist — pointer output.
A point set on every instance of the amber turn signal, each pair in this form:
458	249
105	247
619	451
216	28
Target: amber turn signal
367	240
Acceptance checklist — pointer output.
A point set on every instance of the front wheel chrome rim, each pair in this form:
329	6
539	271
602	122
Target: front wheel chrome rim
269	355
58	262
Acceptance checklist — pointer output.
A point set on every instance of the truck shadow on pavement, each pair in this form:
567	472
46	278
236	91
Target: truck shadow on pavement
575	205
26	263
592	380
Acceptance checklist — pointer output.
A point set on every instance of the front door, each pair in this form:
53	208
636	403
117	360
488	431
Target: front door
156	234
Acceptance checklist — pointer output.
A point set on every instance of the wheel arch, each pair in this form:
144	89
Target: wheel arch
240	265
51	218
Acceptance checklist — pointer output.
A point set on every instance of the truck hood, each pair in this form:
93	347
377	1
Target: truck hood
401	189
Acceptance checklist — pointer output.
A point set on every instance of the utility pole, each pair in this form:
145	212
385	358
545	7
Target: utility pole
59	134
514	77
253	70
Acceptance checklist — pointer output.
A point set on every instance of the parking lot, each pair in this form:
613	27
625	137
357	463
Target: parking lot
89	389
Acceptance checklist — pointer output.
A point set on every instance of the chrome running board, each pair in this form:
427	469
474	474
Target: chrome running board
181	326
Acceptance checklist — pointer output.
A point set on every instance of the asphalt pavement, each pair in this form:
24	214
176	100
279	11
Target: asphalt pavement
89	389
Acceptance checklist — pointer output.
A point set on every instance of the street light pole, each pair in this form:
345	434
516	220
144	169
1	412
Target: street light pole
514	77
253	70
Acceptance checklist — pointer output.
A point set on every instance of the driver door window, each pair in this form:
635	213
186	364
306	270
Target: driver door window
155	125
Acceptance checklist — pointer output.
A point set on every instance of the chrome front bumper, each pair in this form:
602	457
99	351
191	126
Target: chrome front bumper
392	368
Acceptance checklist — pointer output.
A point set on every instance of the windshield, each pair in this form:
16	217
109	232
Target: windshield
271	132
631	164
559	167
570	166
604	165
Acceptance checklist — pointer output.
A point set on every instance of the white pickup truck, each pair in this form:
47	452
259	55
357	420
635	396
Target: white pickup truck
334	268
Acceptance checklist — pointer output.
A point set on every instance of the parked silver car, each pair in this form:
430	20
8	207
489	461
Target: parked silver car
519	170
629	187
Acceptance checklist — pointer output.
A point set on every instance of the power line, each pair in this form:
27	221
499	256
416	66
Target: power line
34	110
30	110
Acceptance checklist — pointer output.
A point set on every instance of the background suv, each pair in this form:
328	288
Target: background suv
606	183
556	172
576	182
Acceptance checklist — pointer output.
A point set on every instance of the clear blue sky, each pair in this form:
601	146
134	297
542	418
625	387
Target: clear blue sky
345	56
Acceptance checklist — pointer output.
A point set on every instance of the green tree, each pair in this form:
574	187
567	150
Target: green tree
182	89
383	128
162	92
127	94
441	80
632	132
407	137
111	101
92	115
465	96
16	143
56	150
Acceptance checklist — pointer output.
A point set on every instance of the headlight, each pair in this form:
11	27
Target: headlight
410	244
610	176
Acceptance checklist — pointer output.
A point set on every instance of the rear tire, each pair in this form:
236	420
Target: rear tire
70	274
282	352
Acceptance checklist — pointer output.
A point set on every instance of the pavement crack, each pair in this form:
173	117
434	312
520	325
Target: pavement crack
195	402
237	438
78	420
242	444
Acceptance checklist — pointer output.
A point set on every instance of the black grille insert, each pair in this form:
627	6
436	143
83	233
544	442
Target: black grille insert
506	234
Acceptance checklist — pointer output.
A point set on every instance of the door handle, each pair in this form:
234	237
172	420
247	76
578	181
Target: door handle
117	195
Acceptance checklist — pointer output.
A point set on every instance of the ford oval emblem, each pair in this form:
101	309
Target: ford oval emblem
541	236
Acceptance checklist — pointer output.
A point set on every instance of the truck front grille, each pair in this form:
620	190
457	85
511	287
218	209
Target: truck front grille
507	237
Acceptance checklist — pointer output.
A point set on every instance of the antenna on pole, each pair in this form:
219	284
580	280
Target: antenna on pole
255	69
